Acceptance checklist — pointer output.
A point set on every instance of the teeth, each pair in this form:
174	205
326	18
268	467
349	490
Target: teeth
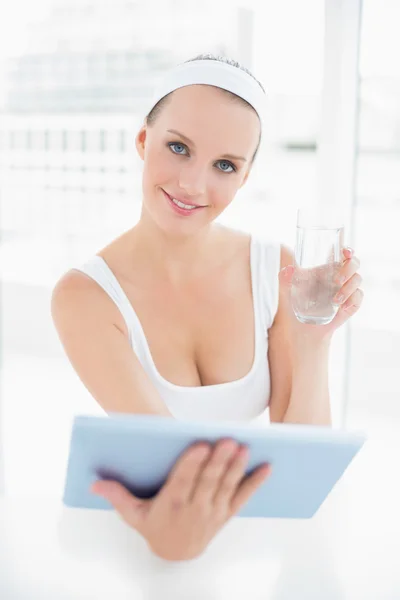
182	205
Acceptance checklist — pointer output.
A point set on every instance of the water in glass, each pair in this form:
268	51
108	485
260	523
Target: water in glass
318	259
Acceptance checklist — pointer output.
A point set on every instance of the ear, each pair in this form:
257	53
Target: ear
140	141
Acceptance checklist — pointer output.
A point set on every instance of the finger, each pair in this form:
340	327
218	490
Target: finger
349	268
249	486
347	252
210	478
233	477
127	506
348	289
348	309
286	274
184	474
354	302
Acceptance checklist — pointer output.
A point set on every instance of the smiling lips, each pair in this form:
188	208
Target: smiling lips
181	206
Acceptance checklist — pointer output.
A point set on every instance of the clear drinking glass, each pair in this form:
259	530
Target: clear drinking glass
318	257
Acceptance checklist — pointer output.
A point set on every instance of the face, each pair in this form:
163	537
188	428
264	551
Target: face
197	153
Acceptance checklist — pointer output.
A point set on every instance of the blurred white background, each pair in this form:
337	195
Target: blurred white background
74	79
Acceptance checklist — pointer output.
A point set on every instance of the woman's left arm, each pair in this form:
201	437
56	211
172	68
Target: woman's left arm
299	353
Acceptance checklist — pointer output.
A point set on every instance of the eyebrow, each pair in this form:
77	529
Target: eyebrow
189	141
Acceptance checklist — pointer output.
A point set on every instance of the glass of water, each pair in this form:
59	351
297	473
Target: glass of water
318	258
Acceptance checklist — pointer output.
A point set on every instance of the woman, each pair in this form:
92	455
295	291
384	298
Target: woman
182	317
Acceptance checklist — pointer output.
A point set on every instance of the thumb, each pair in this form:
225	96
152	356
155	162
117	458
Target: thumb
129	507
286	277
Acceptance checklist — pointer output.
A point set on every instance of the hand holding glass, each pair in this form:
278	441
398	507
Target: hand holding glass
318	258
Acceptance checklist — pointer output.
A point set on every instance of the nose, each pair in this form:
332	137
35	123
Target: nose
192	179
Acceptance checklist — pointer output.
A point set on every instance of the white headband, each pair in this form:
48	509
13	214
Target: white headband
218	74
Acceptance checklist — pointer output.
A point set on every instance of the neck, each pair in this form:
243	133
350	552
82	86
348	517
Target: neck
176	258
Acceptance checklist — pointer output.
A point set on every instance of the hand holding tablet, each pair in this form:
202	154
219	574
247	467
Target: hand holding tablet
204	489
140	451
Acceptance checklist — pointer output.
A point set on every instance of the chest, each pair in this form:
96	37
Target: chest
203	334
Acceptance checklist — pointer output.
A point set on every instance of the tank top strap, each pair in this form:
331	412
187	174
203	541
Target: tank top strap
97	268
267	263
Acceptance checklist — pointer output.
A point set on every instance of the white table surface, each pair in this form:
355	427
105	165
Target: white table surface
349	551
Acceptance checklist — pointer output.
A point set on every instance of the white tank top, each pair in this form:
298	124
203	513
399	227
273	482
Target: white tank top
244	399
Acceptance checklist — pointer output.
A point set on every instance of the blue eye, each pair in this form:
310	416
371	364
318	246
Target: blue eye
177	145
181	150
225	162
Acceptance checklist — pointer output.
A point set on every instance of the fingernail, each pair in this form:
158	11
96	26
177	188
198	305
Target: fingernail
288	269
243	451
200	452
338	299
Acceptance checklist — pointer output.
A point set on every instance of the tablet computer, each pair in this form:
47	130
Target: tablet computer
139	451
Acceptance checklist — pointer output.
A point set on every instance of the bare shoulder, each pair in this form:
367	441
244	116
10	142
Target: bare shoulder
95	342
232	236
75	292
73	283
234	241
238	241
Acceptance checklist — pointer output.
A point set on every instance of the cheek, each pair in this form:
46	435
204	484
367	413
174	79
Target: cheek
224	188
159	168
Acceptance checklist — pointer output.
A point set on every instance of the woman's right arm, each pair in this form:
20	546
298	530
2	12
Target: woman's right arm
93	334
202	492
